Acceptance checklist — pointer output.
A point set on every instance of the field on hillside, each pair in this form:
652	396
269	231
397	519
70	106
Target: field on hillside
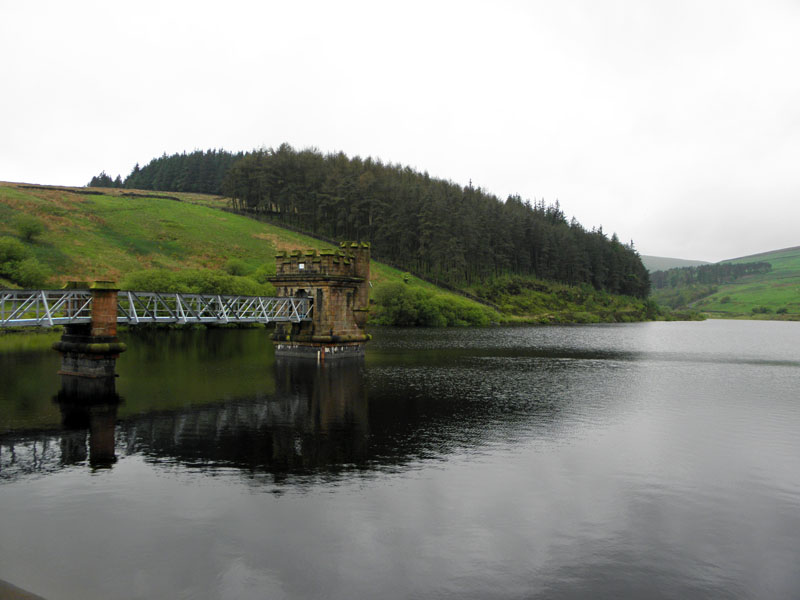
156	238
773	295
109	236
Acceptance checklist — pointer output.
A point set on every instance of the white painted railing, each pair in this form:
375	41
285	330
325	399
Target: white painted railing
45	308
155	307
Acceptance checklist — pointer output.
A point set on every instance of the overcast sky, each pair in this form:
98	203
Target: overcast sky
674	124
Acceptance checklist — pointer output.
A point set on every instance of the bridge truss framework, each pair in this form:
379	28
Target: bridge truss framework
46	308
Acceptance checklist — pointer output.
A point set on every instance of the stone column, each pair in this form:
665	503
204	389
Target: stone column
91	349
104	309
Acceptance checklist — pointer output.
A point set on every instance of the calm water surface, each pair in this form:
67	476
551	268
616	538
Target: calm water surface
656	460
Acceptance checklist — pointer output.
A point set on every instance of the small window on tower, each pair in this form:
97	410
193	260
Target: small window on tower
301	266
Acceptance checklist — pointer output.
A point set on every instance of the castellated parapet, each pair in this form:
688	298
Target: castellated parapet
337	281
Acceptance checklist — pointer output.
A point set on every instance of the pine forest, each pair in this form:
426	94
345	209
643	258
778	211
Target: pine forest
450	234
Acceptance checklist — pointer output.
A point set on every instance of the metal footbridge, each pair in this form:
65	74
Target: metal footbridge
46	308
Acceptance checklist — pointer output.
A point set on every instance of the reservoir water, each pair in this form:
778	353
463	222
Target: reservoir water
654	460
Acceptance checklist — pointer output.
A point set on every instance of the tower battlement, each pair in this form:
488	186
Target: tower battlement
346	261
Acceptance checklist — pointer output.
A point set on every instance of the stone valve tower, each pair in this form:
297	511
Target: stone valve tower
337	282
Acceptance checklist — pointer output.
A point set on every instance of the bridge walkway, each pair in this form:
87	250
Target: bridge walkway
46	308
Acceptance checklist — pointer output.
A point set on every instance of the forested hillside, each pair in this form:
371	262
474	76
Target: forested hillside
460	236
435	228
200	172
706	274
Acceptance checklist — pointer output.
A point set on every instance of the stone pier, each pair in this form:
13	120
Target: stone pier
91	349
337	280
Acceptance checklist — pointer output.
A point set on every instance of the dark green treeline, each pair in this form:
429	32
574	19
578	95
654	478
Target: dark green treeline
707	274
435	228
199	171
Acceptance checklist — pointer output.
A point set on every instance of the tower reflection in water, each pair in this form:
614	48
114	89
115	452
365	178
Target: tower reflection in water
316	421
88	403
326	423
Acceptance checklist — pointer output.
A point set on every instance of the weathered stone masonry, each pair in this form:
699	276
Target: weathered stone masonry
338	282
91	350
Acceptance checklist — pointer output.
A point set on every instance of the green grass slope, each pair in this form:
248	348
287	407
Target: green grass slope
109	236
139	238
772	295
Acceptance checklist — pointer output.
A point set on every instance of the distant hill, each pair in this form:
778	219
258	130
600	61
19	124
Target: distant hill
772	295
766	256
662	263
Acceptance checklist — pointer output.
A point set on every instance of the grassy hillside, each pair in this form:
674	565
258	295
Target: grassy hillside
139	236
662	263
772	295
108	236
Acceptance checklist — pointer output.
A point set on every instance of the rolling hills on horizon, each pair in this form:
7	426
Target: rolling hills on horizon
662	263
774	294
762	255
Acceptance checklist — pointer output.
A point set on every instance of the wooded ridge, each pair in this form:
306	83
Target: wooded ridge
461	235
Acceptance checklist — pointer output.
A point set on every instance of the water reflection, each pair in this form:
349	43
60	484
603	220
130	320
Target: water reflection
88	404
506	463
306	419
317	420
216	400
88	408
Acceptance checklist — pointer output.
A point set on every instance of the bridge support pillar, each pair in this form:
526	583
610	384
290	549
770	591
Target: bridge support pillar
91	349
337	281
